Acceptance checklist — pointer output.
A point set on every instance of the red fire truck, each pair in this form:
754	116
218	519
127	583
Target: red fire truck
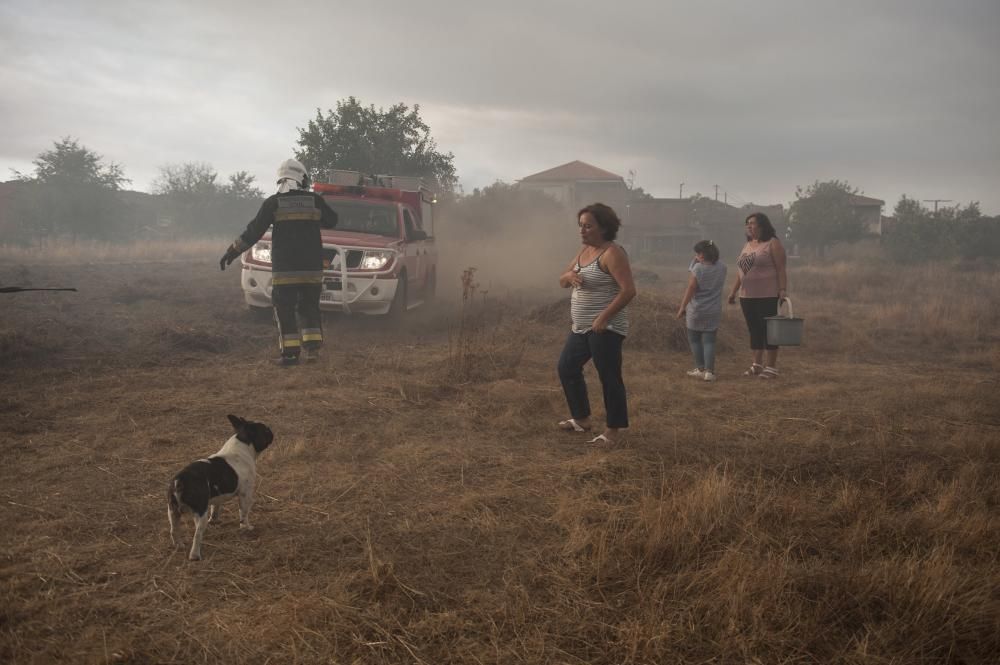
380	259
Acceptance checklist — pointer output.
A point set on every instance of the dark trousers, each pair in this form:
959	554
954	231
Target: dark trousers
296	304
754	311
606	351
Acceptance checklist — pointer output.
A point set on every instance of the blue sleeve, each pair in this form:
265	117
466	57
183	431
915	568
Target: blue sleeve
698	269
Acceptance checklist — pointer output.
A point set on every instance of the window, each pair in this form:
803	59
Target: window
408	226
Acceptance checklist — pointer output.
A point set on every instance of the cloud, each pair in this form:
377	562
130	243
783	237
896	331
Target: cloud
896	97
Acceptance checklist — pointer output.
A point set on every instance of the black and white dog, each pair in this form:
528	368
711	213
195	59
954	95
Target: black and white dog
202	485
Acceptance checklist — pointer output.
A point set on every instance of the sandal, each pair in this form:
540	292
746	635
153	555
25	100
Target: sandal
601	440
769	373
756	369
572	426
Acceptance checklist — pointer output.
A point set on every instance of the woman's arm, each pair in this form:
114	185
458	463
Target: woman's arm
570	277
780	261
618	267
688	295
736	288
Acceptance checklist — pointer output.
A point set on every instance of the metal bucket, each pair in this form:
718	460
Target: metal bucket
784	330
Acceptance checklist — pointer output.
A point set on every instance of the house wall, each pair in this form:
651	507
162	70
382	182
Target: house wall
561	192
580	193
872	218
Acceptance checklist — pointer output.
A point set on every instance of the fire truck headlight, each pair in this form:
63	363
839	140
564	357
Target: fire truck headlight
261	252
376	259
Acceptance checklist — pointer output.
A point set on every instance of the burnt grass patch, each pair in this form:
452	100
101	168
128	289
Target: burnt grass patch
419	505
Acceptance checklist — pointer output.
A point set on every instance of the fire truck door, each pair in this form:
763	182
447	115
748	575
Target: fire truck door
415	263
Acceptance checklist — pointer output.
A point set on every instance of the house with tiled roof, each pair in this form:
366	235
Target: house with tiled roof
576	184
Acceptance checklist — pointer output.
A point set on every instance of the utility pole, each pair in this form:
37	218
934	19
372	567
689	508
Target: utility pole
725	197
936	202
680	194
716	192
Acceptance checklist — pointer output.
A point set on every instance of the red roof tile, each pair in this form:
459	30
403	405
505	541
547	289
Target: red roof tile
575	170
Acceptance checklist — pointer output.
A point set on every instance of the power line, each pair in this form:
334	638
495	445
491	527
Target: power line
740	200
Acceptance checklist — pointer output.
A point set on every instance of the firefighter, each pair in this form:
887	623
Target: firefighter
296	214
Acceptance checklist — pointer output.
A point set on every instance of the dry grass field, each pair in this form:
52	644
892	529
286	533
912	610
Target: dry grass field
418	505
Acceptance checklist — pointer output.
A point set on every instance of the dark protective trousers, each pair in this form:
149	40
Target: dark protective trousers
300	324
606	351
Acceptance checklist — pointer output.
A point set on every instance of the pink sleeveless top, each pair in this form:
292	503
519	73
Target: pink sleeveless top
758	273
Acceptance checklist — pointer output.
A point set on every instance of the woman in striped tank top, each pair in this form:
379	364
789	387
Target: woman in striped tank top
602	284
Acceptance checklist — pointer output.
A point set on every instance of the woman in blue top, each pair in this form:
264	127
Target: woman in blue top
702	307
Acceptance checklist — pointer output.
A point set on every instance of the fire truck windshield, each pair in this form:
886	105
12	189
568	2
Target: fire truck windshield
365	217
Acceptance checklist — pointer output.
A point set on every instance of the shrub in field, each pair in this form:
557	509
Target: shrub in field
979	238
482	348
917	234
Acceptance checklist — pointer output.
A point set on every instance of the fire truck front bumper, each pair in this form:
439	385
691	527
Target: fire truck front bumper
363	294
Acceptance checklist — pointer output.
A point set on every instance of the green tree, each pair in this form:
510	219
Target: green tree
824	214
193	198
639	194
71	193
914	234
71	163
189	179
393	141
918	234
241	186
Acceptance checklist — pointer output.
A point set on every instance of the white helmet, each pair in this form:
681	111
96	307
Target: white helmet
292	169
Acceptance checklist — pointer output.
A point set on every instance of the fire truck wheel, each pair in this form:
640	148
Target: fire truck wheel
399	301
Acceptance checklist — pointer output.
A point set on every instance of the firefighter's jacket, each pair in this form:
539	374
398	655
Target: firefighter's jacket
296	244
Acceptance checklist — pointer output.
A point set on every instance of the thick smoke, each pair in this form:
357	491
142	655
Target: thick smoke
519	242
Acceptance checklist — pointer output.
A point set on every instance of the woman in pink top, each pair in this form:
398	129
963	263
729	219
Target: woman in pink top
762	284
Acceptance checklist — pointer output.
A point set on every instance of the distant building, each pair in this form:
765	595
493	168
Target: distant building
869	210
651	226
660	226
577	184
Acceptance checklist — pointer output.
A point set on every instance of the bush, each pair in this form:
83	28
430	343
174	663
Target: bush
917	234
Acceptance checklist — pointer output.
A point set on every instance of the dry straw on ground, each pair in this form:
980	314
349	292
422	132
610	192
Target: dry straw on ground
419	507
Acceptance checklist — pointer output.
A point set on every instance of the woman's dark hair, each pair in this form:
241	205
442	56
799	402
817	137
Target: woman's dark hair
708	249
763	223
605	217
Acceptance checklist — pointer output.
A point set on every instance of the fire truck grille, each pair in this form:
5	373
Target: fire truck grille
353	258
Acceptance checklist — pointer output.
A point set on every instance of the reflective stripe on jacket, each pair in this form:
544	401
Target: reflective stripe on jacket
295	219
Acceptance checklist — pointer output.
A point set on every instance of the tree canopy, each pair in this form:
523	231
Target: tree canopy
68	162
393	141
193	179
193	197
72	193
824	213
918	234
188	179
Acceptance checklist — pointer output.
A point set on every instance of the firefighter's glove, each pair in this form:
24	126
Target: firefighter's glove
228	257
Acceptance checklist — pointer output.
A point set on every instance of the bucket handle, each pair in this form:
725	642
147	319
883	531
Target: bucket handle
788	300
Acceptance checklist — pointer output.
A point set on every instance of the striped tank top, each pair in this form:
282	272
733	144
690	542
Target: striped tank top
599	288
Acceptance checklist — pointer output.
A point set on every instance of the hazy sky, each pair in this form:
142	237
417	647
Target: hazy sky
899	96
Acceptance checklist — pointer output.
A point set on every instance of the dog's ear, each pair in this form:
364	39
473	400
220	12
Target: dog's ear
237	422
